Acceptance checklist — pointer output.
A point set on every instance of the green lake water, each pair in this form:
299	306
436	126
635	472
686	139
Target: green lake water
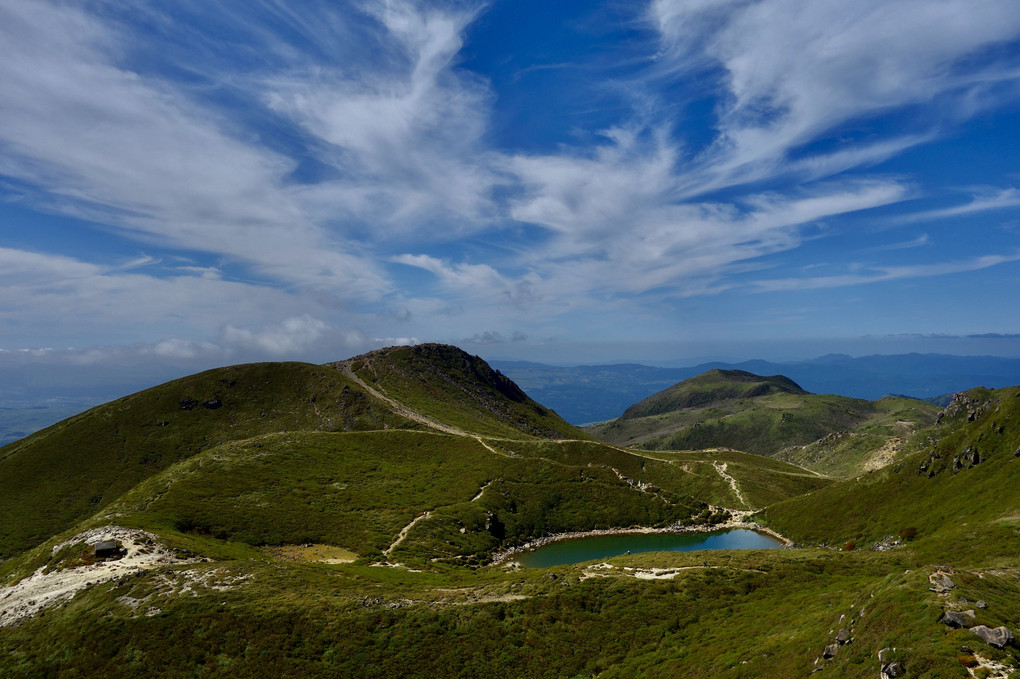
606	546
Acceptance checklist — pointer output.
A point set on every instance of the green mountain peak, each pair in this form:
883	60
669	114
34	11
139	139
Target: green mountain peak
709	388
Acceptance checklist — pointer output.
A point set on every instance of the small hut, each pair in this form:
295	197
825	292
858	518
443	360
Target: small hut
105	549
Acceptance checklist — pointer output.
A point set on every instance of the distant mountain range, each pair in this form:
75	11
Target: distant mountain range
586	394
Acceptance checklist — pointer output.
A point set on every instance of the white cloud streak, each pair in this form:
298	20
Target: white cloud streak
374	98
405	135
105	144
884	274
64	298
994	200
798	69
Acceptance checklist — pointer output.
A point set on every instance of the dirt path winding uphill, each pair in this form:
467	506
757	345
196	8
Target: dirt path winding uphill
721	468
401	409
404	411
404	531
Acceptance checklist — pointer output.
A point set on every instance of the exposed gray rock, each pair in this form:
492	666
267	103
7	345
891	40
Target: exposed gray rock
998	637
981	604
887	543
941	583
830	651
955	619
892	670
843	637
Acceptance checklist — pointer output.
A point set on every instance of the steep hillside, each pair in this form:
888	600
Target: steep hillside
51	480
958	490
766	416
456	389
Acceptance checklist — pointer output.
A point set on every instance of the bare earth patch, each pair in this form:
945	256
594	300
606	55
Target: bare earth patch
43	590
884	456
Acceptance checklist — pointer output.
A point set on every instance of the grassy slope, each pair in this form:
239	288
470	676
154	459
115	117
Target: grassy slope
358	490
730	614
54	478
770	416
844	454
458	389
710	388
89	460
970	510
726	614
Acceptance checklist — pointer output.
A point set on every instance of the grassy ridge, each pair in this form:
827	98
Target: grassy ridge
51	480
460	390
765	416
712	387
358	490
939	491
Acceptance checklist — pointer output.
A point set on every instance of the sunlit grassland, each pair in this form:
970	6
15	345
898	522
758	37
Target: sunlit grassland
51	480
724	614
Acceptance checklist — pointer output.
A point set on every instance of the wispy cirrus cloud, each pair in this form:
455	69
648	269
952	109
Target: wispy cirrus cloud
988	199
297	157
880	274
618	222
93	139
404	133
795	71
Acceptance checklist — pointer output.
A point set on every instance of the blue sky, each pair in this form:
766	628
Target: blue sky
196	183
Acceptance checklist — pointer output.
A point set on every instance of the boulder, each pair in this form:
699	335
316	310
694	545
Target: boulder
956	619
830	651
892	670
941	583
998	636
981	604
843	637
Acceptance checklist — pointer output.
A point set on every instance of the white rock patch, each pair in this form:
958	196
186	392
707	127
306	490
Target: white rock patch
41	590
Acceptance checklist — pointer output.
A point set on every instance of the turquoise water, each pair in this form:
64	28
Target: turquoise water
605	546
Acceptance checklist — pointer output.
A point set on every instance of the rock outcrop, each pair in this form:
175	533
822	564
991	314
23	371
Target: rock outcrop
998	637
957	619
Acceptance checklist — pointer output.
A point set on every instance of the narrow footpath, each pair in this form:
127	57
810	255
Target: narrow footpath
721	468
